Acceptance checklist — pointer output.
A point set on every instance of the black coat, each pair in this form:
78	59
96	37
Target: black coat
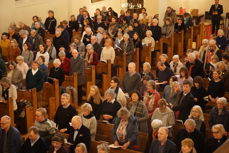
97	48
77	65
20	42
185	105
83	136
59	42
37	40
197	69
196	137
38	147
212	144
57	73
34	81
110	109
131	83
214	118
96	108
50	25
216	89
179	28
73	25
156	31
170	147
97	25
199	94
61	150
219	10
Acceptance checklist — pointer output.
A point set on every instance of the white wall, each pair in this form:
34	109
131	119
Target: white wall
64	8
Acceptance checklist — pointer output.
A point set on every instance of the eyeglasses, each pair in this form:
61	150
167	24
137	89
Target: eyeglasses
215	132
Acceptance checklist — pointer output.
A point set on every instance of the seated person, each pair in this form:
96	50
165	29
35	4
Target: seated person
34	143
176	65
184	75
78	134
163	142
46	127
91	57
64	113
187	146
186	101
149	40
197	115
103	148
43	53
125	130
81	148
57	72
110	106
191	132
120	96
95	99
131	80
8	90
219	114
219	137
164	113
14	74
147	71
88	119
57	144
179	25
65	62
151	97
138	109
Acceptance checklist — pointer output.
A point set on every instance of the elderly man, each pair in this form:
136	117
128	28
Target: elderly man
34	143
10	138
78	134
163	144
219	114
60	41
191	132
39	29
46	127
36	39
156	30
131	80
195	66
77	65
24	37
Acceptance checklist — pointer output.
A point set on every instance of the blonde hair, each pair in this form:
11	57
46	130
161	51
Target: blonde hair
67	96
221	129
147	64
42	110
97	97
187	142
198	108
87	107
123	112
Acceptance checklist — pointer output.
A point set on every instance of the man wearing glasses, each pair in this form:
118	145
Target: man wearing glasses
10	139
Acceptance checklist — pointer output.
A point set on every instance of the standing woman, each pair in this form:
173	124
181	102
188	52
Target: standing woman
14	74
108	52
138	109
65	62
127	47
57	72
50	49
22	66
147	71
14	50
43	53
5	45
94	98
183	76
27	53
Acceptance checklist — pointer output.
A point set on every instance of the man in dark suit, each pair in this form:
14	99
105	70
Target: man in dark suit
36	39
24	37
186	102
34	143
78	134
162	144
216	10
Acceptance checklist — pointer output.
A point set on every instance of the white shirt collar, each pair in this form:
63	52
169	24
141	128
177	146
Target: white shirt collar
34	71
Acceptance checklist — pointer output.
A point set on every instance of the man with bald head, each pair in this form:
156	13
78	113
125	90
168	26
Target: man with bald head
78	134
163	144
10	139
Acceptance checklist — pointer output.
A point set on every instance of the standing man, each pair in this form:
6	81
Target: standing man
216	10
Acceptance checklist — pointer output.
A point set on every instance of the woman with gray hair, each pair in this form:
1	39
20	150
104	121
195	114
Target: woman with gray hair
103	148
202	49
127	47
24	38
22	66
57	72
65	62
81	148
110	106
91	57
125	130
88	119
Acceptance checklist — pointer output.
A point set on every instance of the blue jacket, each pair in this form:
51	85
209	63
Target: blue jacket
14	140
170	147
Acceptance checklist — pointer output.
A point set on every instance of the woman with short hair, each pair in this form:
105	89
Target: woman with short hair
125	129
65	62
22	66
81	148
50	49
27	53
147	71
43	53
57	143
187	146
57	72
103	148
88	119
14	74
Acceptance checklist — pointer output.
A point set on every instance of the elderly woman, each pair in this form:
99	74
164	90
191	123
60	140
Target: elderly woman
81	148
164	113
65	62
147	71
151	97
27	54
57	144
202	49
8	90
118	39
91	57
108	52
197	115
176	65
113	27
64	113
42	52
103	148
187	146
127	47
14	74
219	114
221	40
110	106
94	98
120	95
149	39
22	66
88	119
219	137
57	72
125	130
50	49
138	109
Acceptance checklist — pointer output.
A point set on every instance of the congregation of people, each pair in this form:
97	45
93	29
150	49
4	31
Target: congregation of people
152	101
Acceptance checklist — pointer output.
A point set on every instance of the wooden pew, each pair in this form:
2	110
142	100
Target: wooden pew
51	96
120	63
104	69
90	79
188	37
72	81
158	49
170	43
6	108
197	35
146	54
179	43
136	59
